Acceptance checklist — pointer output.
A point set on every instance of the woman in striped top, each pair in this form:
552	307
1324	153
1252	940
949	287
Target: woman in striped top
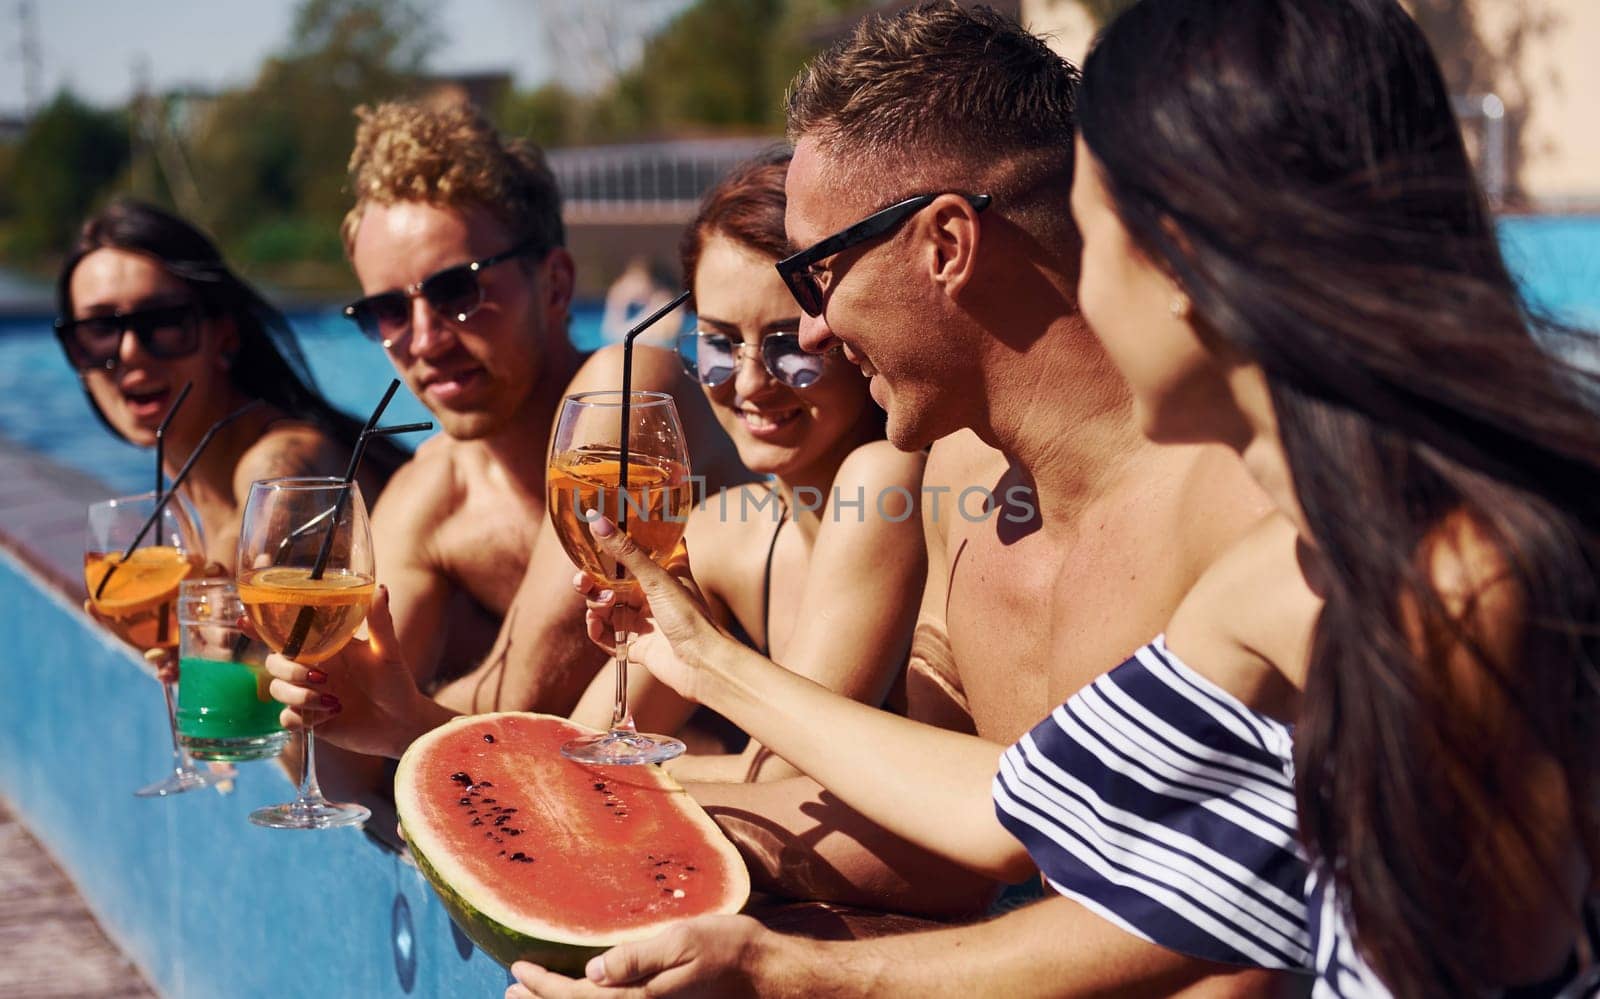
1285	251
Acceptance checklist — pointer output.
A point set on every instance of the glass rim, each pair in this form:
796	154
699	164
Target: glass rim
205	584
148	496
301	483
638	399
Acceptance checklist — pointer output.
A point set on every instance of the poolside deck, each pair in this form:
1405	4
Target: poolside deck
50	946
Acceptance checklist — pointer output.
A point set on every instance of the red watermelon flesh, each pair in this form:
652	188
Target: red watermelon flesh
549	851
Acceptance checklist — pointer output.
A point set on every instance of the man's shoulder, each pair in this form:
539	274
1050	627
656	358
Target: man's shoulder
962	459
426	485
655	369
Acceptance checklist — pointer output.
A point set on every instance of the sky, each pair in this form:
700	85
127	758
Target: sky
95	46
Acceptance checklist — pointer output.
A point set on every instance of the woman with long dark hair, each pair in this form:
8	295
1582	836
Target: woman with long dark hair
146	304
1286	251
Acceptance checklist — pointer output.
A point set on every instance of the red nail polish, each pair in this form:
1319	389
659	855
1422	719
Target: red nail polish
316	676
331	702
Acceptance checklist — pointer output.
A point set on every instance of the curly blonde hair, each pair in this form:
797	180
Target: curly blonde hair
451	157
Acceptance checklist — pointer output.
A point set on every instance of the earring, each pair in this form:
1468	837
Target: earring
1179	307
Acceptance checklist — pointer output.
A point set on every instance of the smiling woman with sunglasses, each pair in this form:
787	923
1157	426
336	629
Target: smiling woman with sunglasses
146	304
827	588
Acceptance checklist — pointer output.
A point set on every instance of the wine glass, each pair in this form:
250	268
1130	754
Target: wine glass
136	597
306	580
585	474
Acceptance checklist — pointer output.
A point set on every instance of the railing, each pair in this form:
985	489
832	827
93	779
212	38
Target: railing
1488	113
645	182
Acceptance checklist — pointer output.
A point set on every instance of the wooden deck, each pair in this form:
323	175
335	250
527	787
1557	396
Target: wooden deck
50	946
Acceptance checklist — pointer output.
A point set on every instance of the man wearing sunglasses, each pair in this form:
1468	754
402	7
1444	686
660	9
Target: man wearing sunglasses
927	200
456	240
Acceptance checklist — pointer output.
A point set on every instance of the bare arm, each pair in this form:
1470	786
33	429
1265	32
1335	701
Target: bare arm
911	772
419	496
858	605
1055	949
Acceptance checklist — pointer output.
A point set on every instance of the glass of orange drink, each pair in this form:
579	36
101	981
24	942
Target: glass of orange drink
306	580
586	474
134	592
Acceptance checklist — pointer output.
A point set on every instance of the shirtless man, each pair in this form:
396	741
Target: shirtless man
468	560
964	317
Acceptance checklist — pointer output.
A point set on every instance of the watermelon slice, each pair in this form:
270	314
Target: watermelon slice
539	858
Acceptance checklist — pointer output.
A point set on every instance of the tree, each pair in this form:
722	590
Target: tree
66	160
271	158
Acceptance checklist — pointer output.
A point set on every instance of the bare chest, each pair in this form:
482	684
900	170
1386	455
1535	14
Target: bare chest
1033	620
484	545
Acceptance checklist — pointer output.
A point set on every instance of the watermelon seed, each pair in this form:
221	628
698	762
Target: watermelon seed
502	853
486	783
661	877
461	777
477	822
678	893
514	832
489	801
487	737
689	867
599	786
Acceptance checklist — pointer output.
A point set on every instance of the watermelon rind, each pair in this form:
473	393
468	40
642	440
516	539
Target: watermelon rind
509	936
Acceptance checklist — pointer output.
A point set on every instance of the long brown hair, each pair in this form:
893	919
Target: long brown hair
1296	166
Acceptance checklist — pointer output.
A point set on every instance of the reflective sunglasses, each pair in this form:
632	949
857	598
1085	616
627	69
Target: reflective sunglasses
798	271
454	292
713	358
167	333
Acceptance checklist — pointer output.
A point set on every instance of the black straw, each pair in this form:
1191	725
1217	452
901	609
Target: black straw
627	404
302	621
161	437
177	480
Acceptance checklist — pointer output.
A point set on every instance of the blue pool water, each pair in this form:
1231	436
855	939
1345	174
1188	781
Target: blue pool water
41	406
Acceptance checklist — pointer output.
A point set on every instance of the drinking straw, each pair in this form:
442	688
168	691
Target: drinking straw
302	621
177	480
161	437
627	404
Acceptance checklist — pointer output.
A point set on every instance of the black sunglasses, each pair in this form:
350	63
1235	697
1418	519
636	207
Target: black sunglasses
712	358
796	269
454	292
167	332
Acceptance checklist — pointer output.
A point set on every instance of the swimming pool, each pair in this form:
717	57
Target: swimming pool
41	407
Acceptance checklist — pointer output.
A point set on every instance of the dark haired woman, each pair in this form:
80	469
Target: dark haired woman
775	559
1286	252
146	304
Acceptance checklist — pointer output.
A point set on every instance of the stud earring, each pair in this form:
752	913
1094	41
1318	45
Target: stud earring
1179	307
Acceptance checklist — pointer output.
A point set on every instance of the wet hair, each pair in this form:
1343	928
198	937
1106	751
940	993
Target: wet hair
1296	167
941	95
452	157
269	364
746	206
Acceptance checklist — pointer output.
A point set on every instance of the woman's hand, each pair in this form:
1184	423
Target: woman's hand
363	698
671	627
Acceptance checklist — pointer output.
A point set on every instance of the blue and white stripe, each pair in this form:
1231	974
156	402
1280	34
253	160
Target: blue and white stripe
1164	804
1168	807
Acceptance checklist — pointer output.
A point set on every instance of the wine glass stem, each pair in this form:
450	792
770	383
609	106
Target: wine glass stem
180	759
310	790
621	720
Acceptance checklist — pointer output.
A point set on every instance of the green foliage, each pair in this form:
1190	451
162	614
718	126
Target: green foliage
278	149
68	156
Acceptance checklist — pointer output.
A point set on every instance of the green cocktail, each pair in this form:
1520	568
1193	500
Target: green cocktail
224	710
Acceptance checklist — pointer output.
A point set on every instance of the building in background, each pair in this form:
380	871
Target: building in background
1525	77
